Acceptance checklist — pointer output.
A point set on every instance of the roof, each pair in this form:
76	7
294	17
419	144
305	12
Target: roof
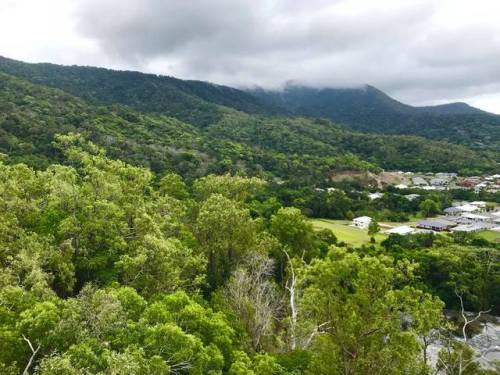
468	207
403	229
365	219
467	228
419	181
436	223
377	195
478	203
450	210
468	215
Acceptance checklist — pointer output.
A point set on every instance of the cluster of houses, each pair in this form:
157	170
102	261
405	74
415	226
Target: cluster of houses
461	217
444	181
464	217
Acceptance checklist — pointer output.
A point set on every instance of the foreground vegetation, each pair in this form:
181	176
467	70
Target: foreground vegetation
107	268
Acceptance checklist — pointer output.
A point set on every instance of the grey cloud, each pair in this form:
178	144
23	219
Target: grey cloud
402	48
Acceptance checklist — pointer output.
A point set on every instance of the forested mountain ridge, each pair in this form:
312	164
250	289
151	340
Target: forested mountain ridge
369	109
201	103
297	148
195	102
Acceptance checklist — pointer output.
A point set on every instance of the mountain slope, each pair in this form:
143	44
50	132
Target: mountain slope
369	109
298	149
201	104
195	102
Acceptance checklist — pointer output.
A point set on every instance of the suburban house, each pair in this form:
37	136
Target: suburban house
401	230
467	228
376	195
411	197
470	182
475	217
419	181
437	225
453	211
479	204
401	186
362	222
439	181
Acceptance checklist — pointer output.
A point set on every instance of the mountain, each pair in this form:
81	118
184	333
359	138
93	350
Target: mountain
201	104
458	108
196	102
369	109
305	151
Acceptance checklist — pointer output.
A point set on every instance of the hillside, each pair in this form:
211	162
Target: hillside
201	104
369	109
299	149
195	102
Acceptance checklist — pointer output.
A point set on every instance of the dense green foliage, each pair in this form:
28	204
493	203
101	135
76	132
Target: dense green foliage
195	102
299	150
150	230
108	269
369	109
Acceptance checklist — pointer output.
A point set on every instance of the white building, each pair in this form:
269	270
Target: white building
411	197
362	222
480	204
401	230
475	217
374	196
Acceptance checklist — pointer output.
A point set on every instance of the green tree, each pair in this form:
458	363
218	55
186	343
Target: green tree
429	208
373	228
225	233
361	313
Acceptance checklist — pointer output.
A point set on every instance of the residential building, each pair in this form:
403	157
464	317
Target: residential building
362	222
437	225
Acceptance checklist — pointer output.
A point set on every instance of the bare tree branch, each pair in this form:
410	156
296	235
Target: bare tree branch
34	352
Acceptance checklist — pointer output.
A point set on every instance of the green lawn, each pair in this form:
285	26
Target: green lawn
490	235
344	232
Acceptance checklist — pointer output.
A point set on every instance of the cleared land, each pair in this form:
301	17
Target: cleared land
490	235
346	233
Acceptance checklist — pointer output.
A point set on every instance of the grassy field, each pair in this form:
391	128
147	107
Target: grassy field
490	235
346	233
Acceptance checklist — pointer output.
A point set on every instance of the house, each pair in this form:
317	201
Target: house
468	207
419	181
469	182
467	228
412	197
480	186
374	196
437	225
362	222
439	182
480	204
453	211
474	217
401	230
446	175
401	186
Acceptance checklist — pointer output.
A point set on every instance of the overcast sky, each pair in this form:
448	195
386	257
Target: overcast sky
421	52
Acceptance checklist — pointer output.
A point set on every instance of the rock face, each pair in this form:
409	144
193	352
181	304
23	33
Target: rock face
486	344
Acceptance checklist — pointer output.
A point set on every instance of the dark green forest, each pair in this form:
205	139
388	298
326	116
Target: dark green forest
370	110
163	230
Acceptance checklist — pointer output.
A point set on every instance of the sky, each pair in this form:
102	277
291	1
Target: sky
421	52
